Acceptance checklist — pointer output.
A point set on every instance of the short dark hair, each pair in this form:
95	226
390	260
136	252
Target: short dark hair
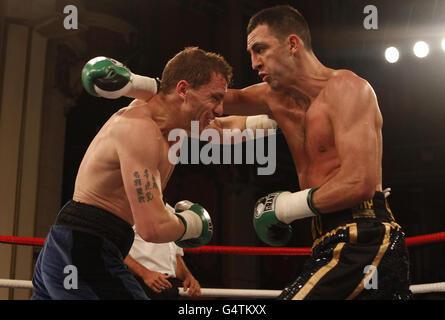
282	20
196	66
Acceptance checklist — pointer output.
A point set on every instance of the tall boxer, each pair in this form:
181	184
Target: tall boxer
332	124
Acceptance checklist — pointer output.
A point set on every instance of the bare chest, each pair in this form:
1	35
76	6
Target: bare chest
310	137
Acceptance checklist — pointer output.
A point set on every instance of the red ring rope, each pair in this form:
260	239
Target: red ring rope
429	238
410	242
255	251
23	240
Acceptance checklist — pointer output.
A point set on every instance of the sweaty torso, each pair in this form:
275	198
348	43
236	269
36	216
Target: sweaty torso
99	180
310	136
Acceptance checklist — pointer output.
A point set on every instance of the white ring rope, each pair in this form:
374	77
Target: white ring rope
236	293
18	284
428	287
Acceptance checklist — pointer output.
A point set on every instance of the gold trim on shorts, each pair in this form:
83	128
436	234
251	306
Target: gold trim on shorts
375	263
306	289
334	231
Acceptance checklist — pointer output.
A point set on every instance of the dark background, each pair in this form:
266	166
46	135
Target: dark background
410	95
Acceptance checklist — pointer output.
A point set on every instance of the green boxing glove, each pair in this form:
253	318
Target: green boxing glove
197	223
274	213
108	78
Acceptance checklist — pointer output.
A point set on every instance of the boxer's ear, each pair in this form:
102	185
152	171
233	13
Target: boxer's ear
294	43
181	88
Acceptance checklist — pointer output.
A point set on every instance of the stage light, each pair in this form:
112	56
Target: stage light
443	44
421	49
392	54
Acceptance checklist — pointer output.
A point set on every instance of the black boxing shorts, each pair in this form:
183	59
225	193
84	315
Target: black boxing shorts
83	257
358	253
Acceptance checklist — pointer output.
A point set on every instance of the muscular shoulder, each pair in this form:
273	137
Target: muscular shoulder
346	89
347	82
133	121
133	128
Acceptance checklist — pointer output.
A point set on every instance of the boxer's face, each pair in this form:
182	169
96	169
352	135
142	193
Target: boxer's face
269	57
206	102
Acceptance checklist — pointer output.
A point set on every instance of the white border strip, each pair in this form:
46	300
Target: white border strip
235	293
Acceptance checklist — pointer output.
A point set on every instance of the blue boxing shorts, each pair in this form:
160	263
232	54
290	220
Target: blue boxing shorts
83	257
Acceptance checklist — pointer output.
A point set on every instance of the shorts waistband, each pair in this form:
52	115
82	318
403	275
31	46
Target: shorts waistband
376	208
90	219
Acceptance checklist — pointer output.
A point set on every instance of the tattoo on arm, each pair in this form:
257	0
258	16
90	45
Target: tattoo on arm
144	186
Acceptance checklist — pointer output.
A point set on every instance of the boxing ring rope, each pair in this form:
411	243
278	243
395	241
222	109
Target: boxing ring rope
235	293
239	293
410	242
